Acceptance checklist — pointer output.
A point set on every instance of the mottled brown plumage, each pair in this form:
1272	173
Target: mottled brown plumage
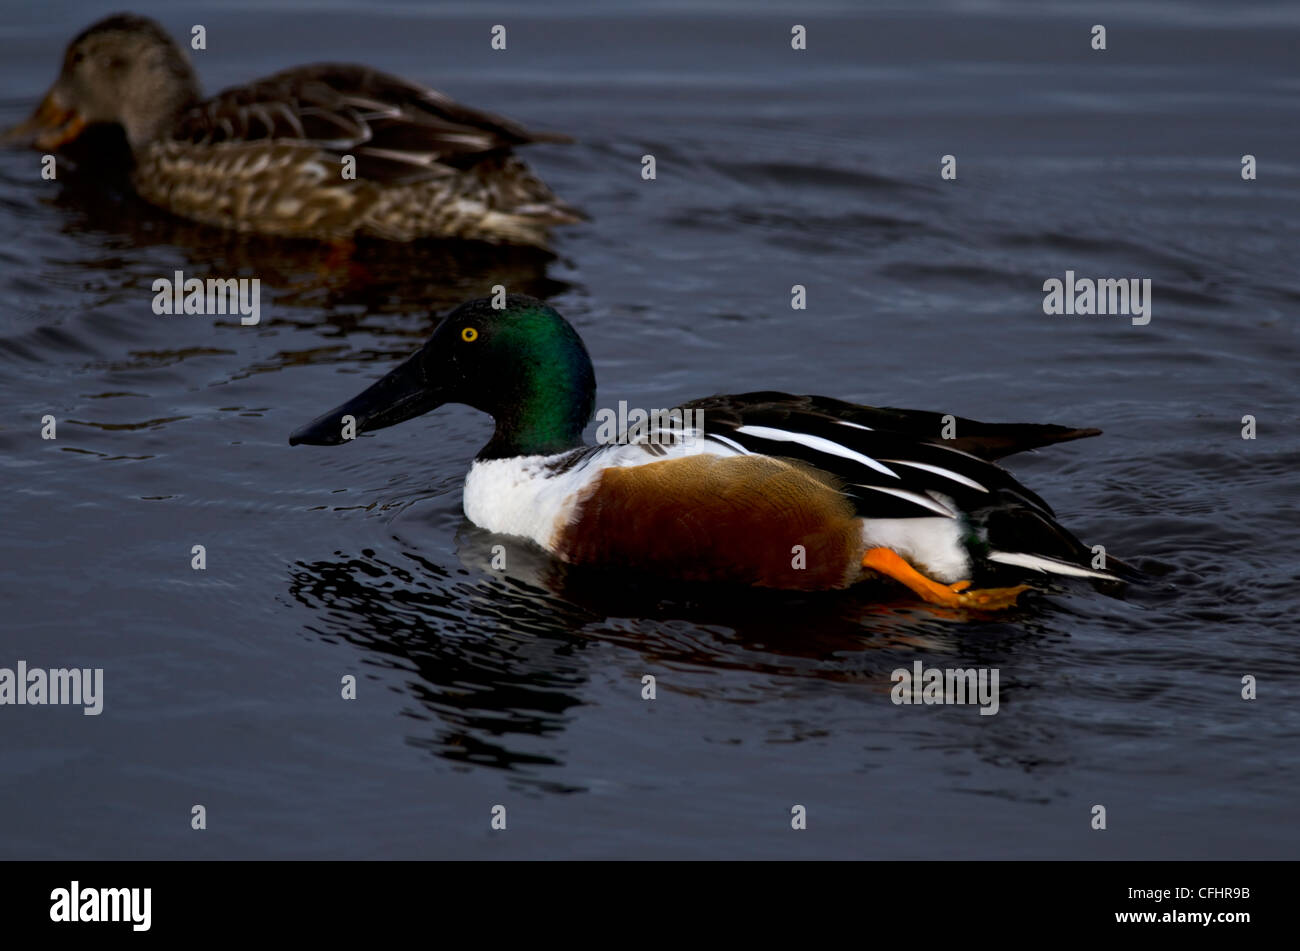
270	156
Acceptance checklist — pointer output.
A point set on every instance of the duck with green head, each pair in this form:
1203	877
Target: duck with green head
772	490
272	156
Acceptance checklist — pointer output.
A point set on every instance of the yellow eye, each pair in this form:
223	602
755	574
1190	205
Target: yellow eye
469	335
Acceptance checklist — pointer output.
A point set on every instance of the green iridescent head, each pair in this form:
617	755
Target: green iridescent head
523	364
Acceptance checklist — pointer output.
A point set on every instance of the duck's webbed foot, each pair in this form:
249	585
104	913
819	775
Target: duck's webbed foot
888	562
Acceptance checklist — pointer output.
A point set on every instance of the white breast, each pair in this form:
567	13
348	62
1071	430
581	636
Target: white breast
516	496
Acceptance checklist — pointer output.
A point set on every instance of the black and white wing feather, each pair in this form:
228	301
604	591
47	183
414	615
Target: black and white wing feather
896	463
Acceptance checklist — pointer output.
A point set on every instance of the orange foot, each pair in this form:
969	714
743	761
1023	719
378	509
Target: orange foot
888	562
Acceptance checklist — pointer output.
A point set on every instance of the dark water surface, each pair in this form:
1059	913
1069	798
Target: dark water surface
523	687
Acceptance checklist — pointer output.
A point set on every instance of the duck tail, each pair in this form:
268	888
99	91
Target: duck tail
996	440
1028	538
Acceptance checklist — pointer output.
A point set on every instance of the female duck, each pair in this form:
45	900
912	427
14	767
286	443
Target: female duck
268	157
773	490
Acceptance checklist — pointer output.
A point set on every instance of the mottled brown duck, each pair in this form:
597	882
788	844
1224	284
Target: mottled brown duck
328	151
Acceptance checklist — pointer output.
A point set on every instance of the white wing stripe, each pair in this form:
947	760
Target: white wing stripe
947	474
817	443
921	500
729	442
1047	565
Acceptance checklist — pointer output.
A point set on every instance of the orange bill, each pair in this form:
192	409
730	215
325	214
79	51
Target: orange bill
51	125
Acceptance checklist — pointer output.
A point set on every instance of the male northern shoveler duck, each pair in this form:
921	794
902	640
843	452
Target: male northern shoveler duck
267	157
865	491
